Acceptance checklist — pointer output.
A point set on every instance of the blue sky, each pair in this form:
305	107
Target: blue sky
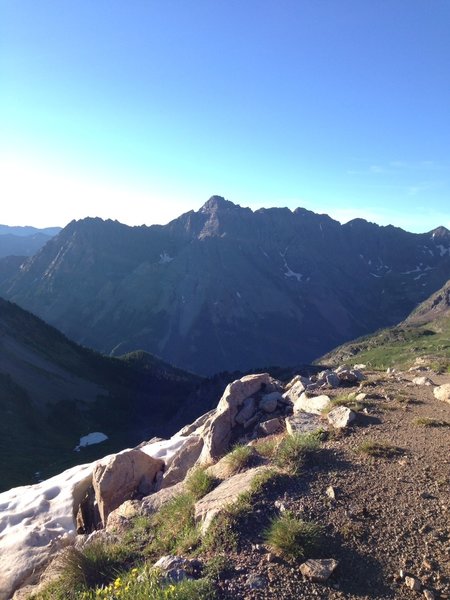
141	110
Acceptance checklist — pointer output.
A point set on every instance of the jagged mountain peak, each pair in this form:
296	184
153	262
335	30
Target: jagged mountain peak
216	203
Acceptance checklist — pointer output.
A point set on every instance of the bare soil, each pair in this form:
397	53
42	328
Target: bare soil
389	513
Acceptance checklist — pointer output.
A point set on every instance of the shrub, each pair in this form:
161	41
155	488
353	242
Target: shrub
292	537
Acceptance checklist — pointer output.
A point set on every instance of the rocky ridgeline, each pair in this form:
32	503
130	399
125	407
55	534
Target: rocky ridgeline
107	495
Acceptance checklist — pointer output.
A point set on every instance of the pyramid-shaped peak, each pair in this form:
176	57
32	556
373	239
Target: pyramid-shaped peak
216	203
440	232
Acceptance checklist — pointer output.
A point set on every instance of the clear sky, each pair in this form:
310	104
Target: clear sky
139	110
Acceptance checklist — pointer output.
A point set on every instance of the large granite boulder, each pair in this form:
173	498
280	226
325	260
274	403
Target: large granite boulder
122	476
217	429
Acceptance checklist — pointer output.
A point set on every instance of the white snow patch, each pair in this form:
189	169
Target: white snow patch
164	258
419	276
375	275
36	520
92	438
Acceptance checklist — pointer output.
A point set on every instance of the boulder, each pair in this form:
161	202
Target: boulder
122	476
297	379
176	568
151	504
183	460
318	570
225	494
302	422
269	402
311	404
333	380
119	519
247	411
216	432
272	426
295	391
341	417
442	392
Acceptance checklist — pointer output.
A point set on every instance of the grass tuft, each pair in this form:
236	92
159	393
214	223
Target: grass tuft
199	483
379	449
428	422
239	459
293	451
293	538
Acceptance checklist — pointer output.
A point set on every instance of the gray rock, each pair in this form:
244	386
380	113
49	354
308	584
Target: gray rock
333	380
247	411
302	423
223	495
341	417
256	582
269	403
318	570
174	568
271	426
294	392
151	504
429	595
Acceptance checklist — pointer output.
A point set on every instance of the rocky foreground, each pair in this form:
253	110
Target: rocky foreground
376	487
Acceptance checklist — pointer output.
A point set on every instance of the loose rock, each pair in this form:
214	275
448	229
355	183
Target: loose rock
318	570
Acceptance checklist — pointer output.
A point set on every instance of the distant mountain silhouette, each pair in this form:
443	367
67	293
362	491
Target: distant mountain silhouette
225	288
24	241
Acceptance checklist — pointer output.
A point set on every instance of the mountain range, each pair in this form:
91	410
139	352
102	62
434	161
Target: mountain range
226	288
24	241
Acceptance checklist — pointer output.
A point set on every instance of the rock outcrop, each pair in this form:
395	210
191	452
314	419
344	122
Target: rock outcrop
124	474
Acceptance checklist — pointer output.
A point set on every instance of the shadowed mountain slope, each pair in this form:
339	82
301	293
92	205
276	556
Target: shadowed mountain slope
225	288
53	391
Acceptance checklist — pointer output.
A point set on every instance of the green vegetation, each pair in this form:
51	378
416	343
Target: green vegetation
142	583
379	449
428	422
344	400
239	459
174	530
293	538
293	450
400	347
199	483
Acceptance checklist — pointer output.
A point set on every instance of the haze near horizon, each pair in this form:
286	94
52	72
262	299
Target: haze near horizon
141	112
